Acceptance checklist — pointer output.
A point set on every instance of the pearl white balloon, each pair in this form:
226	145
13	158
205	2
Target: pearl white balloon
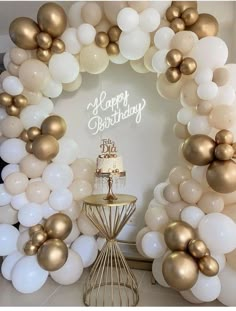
158	193
13	150
83	168
86	226
156	218
30	214
28	276
185	114
12	85
74	210
11	127
73	234
157	271
63	67
86	247
46	104
218	231
163	37
220	258
149	20
228	286
207	91
192	215
153	244
127	19
133	45
60	199
86	34
68	151
33	115
57	176
8	239
206	288
69	37
47	210
159	61
5	197
73	86
52	89
190	191
203	75
8	215
199	125
9	263
19	200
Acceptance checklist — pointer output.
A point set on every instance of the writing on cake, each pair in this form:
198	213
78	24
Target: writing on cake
116	109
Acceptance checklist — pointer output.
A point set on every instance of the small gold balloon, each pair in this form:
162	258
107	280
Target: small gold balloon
172	12
224	152
29	147
184	5
113	49
206	25
173	74
33	132
34	229
23	32
197	248
5	99
102	39
208	266
55	126
39	237
58	226
24	136
114	33
221	176
45	147
52	19
13	111
208	253
58	46
174	58
199	149
52	254
188	66
177	235
190	16
30	249
177	25
20	101
180	271
43	55
44	40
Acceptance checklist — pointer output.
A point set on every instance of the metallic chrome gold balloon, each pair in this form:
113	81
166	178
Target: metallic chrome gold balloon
24	136
224	152
188	66
206	25
23	32
55	126
114	33
173	74
52	254
184	5
45	147
33	132
199	149
30	249
180	271
190	16
44	40
224	137
177	25
172	12
102	39
39	237
208	266
58	226
43	55
174	57
5	99
34	229
52	19
13	111
58	46
29	146
197	248
177	235
221	176
20	101
113	49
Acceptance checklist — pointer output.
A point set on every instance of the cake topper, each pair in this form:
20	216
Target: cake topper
108	148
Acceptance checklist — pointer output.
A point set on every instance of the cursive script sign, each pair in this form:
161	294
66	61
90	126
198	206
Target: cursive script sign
116	109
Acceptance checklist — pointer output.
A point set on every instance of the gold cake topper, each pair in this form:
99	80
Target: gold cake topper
108	149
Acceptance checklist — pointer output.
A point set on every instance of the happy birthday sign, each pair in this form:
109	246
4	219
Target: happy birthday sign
116	109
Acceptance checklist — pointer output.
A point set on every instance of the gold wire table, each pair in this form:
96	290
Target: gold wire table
110	282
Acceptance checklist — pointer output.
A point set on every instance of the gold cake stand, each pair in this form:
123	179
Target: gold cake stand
110	282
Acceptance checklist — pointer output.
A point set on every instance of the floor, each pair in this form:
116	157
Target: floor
52	294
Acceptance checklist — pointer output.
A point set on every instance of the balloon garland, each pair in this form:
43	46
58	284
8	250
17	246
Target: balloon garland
192	213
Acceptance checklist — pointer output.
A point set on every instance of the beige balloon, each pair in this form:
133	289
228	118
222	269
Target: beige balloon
190	191
73	86
103	26
91	13
11	127
112	8
138	65
13	69
16	183
18	55
188	94
86	226
32	167
179	174
231	259
80	189
148	58
222	117
221	76
8	215
83	168
171	193
138	6
37	192
174	210
211	202
167	89
181	131
33	97
230	210
74	210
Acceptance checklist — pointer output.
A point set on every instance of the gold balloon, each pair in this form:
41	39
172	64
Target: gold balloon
20	101
177	25
190	16
39	237
43	55
180	271
58	226
29	146
24	136
114	33
174	58
188	66
45	147
224	152
55	126
208	266
173	74
113	49
52	19
52	255
172	12
178	234
33	132
13	111
30	249
102	39
58	46
224	137
221	176
23	32
199	149
184	5
197	248
206	25
44	40
5	99
34	229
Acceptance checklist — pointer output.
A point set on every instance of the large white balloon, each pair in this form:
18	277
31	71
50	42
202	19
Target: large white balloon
12	85
128	19
159	61
13	150
86	247
153	244
69	37
9	263
74	234
33	115
30	214
86	34
5	197
52	89
9	169
163	37
188	295
228	286
28	276
149	20
192	215
68	151
8	239
60	199
19	200
57	176
158	193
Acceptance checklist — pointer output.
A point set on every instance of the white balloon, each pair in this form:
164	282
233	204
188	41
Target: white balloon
159	63
52	89
149	20
232	75
160	6
12	85
158	193
207	91
60	199
203	75
199	125
73	234
218	231
30	214
199	174
127	19
6	59
57	176
5	197
13	150
185	114
9	169
19	200
68	151
139	238
47	210
220	259
33	115
192	215
8	239
74	210
163	37
157	271
228	286
9	263
71	271
63	67
73	86
118	59
46	104
69	37
86	34
28	276
156	218
225	95
86	247
3	113
188	295
153	244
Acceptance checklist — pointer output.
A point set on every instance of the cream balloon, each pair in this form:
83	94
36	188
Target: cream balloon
32	97
138	65
33	115
52	89
211	202
190	191
18	55
158	193
74	14
32	167
86	226
37	192
168	90
86	247
179	174
111	10
9	169
184	41
80	189
8	215
174	210
156	218
91	13
157	271
11	127
74	210
16	183
73	86
222	117
227	294
83	168
74	234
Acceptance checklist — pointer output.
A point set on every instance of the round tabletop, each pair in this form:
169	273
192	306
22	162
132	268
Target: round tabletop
99	200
